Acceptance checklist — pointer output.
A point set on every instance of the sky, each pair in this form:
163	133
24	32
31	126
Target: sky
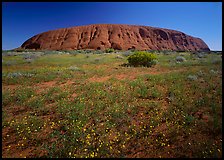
22	20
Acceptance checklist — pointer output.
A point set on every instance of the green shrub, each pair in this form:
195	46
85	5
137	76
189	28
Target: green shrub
142	58
109	50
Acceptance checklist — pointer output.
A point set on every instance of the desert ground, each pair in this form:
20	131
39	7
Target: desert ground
88	104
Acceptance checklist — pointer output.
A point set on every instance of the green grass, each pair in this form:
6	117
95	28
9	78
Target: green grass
72	105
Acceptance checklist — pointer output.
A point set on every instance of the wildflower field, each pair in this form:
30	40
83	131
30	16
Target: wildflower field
88	104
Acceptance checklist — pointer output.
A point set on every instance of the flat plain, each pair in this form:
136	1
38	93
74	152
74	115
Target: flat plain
88	104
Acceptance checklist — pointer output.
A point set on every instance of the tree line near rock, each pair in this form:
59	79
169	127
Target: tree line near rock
108	50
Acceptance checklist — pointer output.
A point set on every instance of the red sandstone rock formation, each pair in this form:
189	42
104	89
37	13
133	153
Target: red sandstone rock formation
121	37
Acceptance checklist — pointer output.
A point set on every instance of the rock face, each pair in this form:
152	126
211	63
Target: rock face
120	37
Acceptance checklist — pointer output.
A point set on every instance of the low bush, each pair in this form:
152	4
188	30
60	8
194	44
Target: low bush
192	77
127	53
10	63
109	50
119	57
18	74
180	59
216	61
74	68
142	58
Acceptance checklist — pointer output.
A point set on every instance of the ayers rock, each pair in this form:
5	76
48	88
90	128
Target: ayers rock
120	37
